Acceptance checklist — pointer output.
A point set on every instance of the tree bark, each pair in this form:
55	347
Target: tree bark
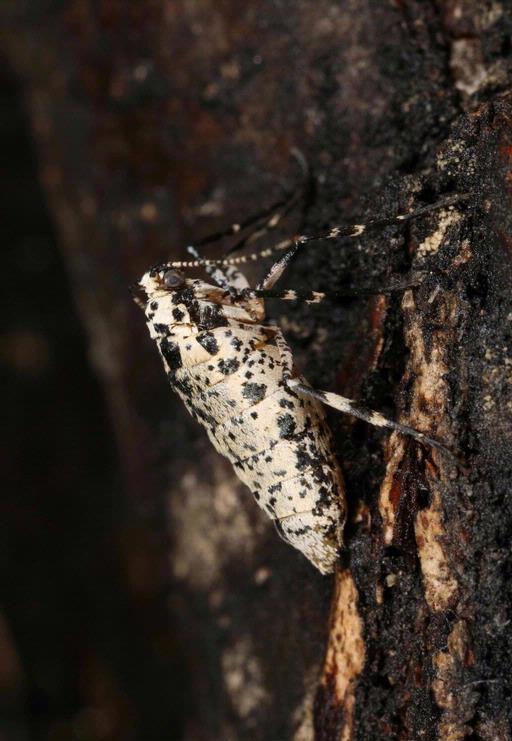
157	122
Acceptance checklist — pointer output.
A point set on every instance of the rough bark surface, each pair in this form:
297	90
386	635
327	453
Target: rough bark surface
156	122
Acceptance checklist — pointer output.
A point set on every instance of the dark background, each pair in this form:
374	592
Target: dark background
84	644
144	596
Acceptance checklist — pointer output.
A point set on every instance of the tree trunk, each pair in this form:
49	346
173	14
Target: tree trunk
157	122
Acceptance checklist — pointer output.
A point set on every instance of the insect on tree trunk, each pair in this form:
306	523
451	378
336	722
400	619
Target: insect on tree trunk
157	123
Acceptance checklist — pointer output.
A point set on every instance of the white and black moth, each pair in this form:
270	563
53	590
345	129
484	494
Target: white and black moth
236	375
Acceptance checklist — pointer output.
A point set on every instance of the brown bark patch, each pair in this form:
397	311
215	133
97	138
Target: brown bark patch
457	707
439	582
344	660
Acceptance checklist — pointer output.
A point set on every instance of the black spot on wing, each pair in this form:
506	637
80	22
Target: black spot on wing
211	316
182	385
286	403
208	420
231	365
162	329
275	488
254	391
304	459
178	314
188	299
208	341
171	353
287	426
185	296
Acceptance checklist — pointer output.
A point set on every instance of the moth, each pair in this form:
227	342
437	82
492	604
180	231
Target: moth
235	373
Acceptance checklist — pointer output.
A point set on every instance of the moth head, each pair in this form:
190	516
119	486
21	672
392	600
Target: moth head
173	279
162	279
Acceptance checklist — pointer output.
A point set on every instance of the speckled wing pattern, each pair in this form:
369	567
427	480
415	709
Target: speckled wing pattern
226	366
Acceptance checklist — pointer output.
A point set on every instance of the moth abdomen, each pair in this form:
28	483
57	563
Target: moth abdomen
231	377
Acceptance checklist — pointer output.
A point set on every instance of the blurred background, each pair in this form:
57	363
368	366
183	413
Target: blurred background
143	594
85	649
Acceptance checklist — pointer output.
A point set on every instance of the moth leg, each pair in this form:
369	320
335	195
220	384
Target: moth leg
219	276
251	221
279	530
272	214
316	297
237	279
353	230
230	277
356	230
348	406
273	222
285	206
342	403
279	266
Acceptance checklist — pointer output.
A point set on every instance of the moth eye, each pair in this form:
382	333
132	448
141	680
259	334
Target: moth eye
173	279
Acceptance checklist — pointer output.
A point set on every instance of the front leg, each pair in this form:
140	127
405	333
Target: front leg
279	267
316	297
